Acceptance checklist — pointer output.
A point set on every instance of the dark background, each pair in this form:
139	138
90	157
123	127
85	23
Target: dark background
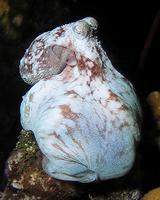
123	31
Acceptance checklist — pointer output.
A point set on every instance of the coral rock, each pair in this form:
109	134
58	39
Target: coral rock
4	7
26	178
134	194
154	102
152	195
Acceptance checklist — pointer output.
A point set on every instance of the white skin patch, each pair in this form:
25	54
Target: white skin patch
84	114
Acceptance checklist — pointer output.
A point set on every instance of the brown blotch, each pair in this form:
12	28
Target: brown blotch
26	68
40	41
43	60
112	96
98	50
123	108
29	68
69	92
69	129
77	142
27	109
58	137
68	113
124	124
31	98
67	73
125	80
96	71
29	54
82	63
75	94
60	32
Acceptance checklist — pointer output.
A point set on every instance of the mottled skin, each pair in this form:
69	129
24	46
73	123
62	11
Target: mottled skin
84	114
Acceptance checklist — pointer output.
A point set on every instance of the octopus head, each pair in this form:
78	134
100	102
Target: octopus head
50	53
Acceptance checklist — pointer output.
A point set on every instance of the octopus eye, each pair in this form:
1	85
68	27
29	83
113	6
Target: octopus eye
92	22
45	62
81	29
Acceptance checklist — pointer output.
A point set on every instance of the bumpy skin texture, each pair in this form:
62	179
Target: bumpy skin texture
84	114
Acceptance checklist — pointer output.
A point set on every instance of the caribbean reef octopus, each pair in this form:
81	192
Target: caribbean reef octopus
84	114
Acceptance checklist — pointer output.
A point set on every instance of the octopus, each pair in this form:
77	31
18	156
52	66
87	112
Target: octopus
84	114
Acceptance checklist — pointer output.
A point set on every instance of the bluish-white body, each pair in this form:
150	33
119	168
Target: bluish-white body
86	117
